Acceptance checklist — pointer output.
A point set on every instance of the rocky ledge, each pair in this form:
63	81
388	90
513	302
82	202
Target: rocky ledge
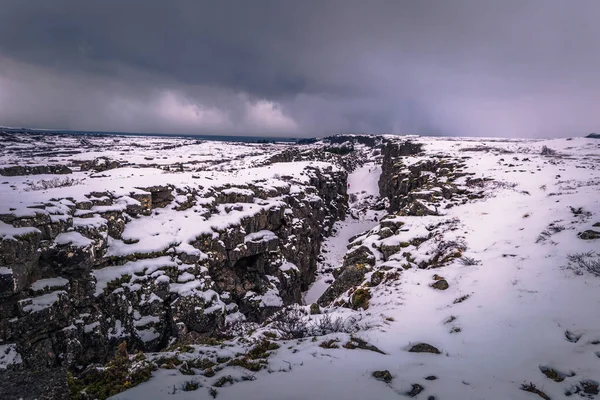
121	258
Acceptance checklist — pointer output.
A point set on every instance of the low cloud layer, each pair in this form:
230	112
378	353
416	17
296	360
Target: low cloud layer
302	68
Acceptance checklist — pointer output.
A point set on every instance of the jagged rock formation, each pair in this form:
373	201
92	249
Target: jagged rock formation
18	170
424	186
75	280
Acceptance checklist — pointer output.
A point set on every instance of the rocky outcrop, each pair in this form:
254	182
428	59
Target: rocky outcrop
380	255
18	170
99	164
346	160
68	298
423	187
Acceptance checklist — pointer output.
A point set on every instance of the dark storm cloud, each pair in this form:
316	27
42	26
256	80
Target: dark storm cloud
479	67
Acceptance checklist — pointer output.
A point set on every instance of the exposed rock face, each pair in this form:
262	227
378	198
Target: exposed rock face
420	188
348	161
349	277
18	170
589	235
380	255
100	164
67	298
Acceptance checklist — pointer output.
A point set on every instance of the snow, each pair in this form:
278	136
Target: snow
9	355
288	266
35	304
240	191
363	183
260	236
105	275
519	298
49	283
5	271
270	298
96	221
91	327
365	178
75	239
9	232
117	331
186	289
145	320
148	335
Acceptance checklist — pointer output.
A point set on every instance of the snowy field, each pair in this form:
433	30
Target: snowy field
518	318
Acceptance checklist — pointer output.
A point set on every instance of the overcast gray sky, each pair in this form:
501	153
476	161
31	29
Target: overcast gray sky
528	68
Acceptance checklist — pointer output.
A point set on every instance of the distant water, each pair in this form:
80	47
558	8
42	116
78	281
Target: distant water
218	138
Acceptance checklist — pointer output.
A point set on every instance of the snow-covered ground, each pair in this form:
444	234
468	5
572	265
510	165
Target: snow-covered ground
515	312
516	306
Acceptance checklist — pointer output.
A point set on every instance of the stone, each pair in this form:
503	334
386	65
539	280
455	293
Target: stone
99	164
19	170
441	284
384	376
589	235
416	389
424	348
83	327
350	276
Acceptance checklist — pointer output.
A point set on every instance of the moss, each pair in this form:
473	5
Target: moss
417	241
377	277
185	348
186	369
261	350
553	374
171	362
360	299
120	374
246	363
224	381
330	344
202	363
315	309
190	386
210	341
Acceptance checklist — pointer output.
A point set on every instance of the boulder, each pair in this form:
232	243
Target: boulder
589	235
424	348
